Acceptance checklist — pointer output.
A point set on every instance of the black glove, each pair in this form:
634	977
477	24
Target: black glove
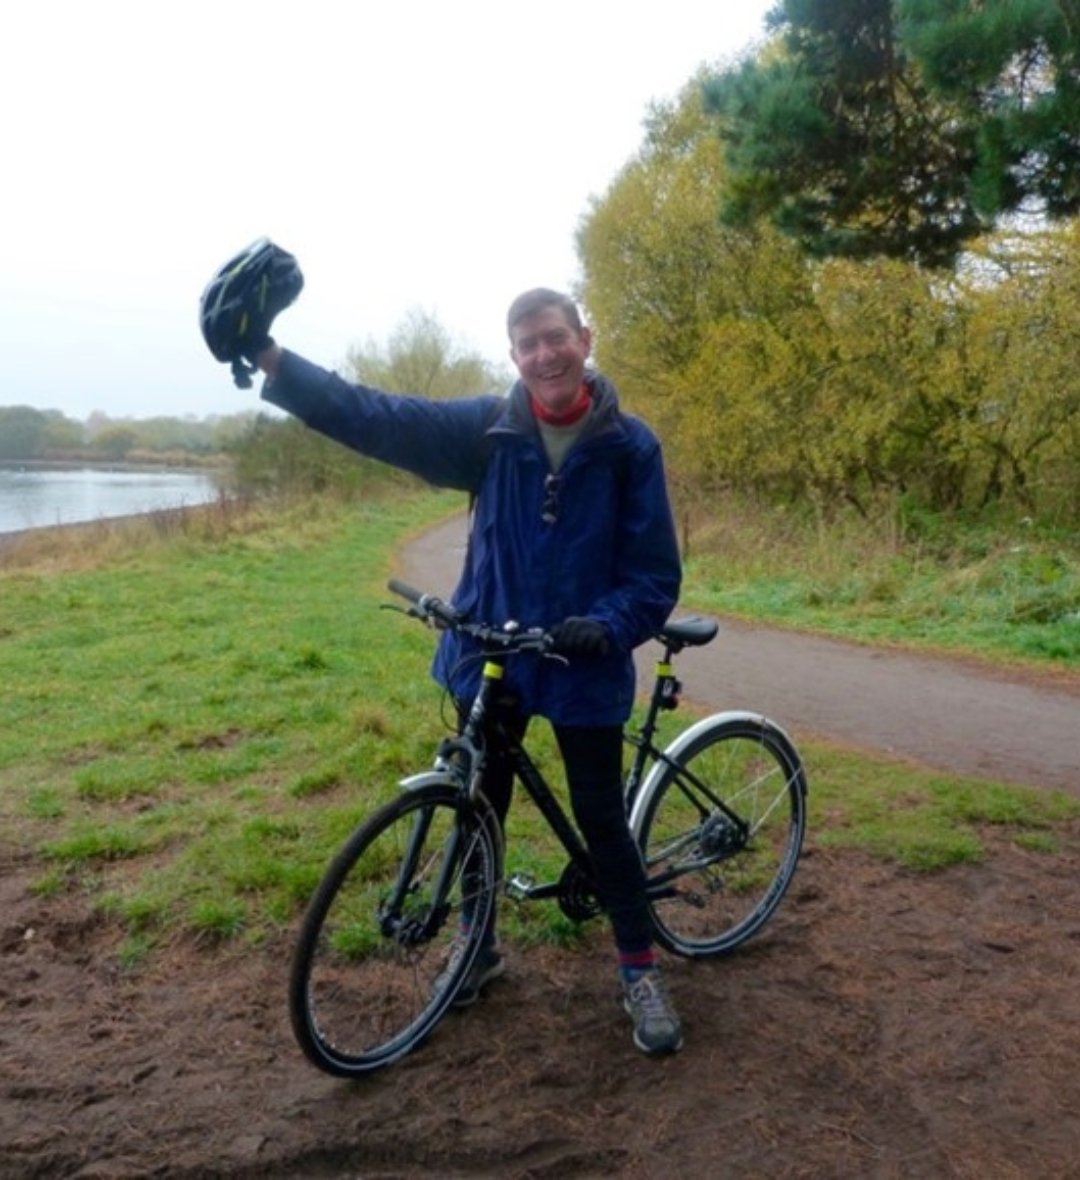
255	342
581	637
246	364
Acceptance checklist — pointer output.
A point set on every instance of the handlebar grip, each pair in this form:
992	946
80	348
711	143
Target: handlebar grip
427	605
404	589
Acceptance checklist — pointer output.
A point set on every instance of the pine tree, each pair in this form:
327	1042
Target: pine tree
904	127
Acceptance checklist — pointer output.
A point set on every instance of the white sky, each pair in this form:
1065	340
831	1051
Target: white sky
411	154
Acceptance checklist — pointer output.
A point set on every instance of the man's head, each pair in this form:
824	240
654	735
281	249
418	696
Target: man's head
549	345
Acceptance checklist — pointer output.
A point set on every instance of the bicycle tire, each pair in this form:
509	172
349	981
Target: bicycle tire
713	884
368	985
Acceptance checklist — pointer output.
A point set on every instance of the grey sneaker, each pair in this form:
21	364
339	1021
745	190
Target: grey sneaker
487	965
656	1026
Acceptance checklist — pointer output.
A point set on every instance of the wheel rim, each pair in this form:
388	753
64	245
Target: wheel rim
724	879
374	985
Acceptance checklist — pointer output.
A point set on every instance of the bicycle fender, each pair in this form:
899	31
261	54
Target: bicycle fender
427	778
439	778
678	746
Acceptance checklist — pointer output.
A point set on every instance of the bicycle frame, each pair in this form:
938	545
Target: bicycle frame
464	757
401	915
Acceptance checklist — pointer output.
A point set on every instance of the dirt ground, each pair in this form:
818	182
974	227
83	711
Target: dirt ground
883	1025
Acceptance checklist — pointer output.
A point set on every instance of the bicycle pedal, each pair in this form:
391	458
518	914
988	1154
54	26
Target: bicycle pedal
520	886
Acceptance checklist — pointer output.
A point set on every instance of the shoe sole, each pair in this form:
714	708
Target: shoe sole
658	1051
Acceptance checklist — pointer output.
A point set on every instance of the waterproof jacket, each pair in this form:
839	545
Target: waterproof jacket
596	539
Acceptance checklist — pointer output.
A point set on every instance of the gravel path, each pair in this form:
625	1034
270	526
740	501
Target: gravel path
956	715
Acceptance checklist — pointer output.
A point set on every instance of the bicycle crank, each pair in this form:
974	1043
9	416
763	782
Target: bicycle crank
577	896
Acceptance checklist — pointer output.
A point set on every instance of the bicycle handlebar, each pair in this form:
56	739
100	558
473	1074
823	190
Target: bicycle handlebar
427	605
509	638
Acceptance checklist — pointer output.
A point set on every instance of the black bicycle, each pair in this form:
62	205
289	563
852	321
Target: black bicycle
719	815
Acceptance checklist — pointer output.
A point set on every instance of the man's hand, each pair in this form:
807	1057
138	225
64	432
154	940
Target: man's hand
581	637
268	358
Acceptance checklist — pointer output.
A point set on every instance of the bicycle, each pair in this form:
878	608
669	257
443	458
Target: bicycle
719	815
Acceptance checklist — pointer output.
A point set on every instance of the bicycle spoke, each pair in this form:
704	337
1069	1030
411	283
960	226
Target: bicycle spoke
721	836
370	979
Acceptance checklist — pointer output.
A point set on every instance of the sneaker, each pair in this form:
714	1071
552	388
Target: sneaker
487	965
656	1026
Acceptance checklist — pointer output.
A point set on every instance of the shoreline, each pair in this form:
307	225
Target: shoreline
163	516
105	465
61	495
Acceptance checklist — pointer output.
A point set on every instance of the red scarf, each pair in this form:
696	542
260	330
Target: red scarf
575	413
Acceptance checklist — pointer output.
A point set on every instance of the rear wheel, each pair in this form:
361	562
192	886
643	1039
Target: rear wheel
721	830
373	972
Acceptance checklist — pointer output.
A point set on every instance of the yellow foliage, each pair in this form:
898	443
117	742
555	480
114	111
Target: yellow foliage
830	381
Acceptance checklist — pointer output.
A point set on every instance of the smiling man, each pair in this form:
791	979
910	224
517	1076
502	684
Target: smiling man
549	345
572	532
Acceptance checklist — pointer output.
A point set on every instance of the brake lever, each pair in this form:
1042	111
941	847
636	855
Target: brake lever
411	612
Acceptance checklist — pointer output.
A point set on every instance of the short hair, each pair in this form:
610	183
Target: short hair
539	299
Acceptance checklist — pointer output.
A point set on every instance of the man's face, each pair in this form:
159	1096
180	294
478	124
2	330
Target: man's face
550	355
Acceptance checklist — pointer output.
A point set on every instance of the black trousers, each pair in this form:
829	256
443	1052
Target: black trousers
592	756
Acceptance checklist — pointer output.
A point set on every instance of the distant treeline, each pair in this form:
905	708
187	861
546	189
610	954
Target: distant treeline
28	435
264	453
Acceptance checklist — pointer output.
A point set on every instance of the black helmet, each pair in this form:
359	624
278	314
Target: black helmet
241	301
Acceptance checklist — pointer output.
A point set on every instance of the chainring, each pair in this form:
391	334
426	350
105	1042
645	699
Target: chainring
577	895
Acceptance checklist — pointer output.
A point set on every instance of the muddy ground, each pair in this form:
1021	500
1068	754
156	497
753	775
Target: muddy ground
884	1025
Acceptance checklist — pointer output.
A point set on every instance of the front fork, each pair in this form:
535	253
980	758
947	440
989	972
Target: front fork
396	921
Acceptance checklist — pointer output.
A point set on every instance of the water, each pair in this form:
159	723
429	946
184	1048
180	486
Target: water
40	497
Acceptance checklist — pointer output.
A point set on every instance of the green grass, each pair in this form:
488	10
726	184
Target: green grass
922	819
196	723
1006	592
191	725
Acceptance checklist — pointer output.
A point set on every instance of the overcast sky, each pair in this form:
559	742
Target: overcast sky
425	155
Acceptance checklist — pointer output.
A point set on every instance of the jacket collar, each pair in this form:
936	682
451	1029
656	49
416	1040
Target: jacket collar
518	418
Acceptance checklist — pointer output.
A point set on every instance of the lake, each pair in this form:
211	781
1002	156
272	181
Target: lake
38	497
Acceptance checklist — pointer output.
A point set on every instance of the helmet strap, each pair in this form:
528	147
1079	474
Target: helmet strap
241	373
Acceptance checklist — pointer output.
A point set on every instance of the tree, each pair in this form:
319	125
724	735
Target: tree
62	435
665	283
835	381
274	455
115	443
1025	437
422	358
903	127
652	250
22	432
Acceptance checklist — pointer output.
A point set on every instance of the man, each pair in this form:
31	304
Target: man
572	532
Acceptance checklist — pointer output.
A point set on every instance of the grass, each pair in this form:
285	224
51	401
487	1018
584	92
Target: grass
923	820
193	719
1005	591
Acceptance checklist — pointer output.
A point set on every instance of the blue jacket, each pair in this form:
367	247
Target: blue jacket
610	552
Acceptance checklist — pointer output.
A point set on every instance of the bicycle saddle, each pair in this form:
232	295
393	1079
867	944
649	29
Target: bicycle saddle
692	632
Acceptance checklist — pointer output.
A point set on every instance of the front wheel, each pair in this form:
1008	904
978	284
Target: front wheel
720	824
379	957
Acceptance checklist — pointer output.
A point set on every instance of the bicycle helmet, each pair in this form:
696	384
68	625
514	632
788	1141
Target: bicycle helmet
241	301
